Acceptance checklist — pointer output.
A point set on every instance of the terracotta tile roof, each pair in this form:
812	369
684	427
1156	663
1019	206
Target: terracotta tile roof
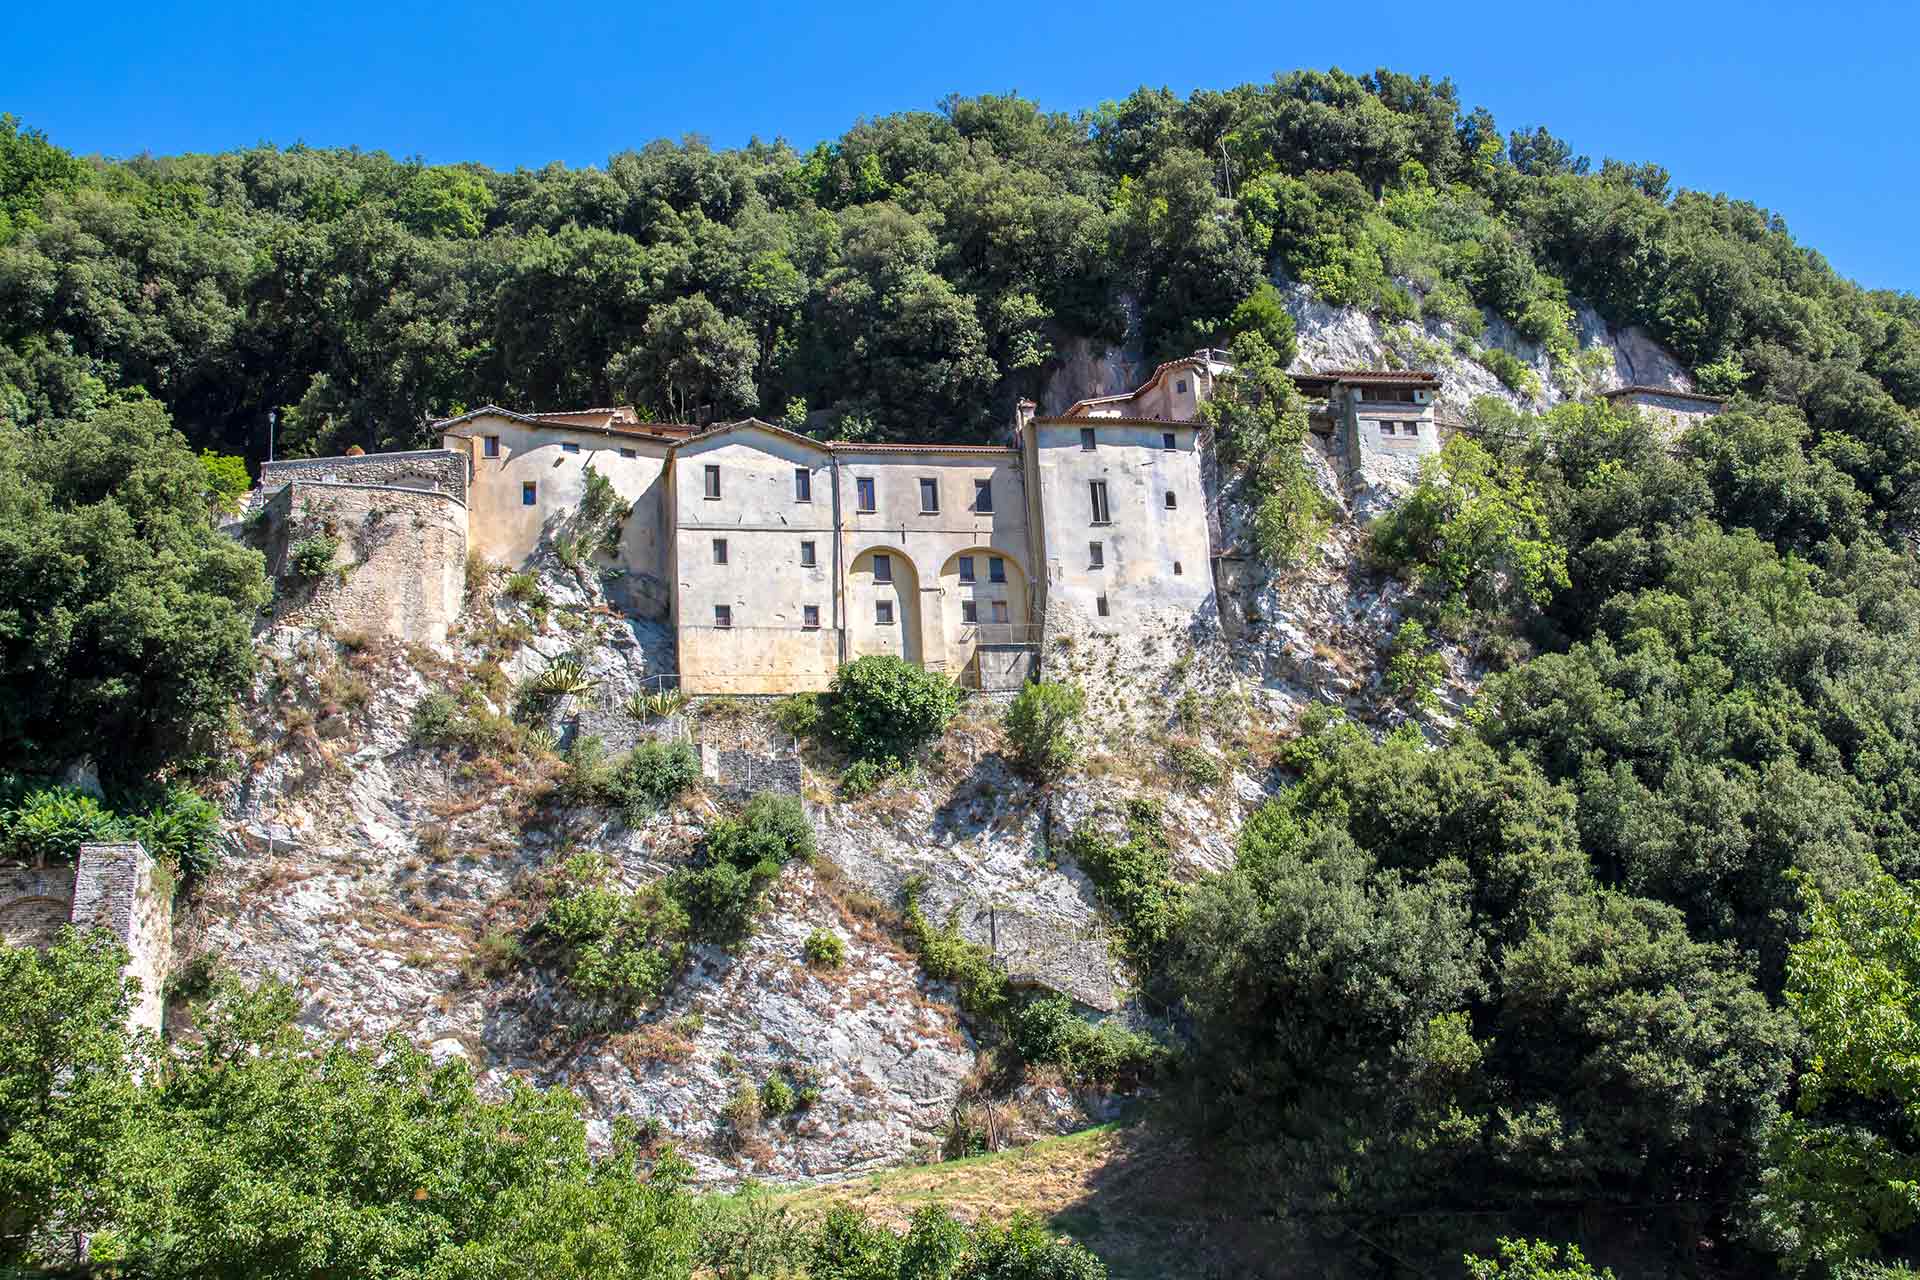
643	430
858	446
1639	389
1191	424
1423	376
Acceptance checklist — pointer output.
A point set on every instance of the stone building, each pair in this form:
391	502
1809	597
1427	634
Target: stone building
111	887
1678	409
776	557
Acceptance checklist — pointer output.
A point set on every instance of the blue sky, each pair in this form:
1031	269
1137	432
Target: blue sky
1800	107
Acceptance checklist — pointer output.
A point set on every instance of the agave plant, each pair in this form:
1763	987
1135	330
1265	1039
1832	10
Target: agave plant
561	678
541	742
656	706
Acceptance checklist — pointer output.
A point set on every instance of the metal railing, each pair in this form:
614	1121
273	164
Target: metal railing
1001	633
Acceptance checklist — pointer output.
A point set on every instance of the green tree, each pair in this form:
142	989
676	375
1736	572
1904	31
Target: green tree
1260	421
884	707
1041	723
126	616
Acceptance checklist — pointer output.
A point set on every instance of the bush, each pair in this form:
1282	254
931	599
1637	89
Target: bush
1040	723
435	721
181	828
863	777
886	707
800	714
1196	765
619	949
1135	880
741	857
1413	669
649	778
777	1097
48	826
313	557
825	949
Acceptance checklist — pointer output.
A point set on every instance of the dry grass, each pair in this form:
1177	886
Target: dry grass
1140	1200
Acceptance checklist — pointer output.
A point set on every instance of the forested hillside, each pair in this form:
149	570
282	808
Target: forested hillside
1623	945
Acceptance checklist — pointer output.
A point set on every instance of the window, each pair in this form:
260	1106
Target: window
713	481
1181	386
568	446
719	550
1086	438
1100	513
883	613
810	617
1096	556
723	615
966	568
970	611
802	485
999	610
527	491
628	453
1167	441
929	496
996	569
1171	501
1176	568
983	496
883	568
1386	428
863	493
1413	428
807	556
1100	604
490	446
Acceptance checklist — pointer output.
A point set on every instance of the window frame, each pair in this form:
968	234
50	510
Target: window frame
489	446
1170	502
983	489
1096	555
997	569
883	567
866	495
1101	502
1000	612
1089	443
710	486
809	554
970	613
809	617
569	446
929	488
965	569
1101	606
720	551
723	617
529	493
802	485
1169	442
629	453
883	613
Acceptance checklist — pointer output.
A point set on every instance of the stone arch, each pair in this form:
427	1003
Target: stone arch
984	592
33	922
867	591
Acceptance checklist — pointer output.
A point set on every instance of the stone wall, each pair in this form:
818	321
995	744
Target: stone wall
400	569
441	469
112	888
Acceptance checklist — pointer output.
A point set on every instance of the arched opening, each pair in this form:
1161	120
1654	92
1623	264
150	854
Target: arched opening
33	922
883	605
984	619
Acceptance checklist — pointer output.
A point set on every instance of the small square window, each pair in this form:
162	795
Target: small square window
999	610
1181	386
863	493
528	493
808	558
996	569
966	568
1167	441
1386	428
719	550
1096	556
713	481
628	453
883	612
983	496
1100	604
929	496
723	615
1176	568
883	568
1086	438
1171	501
1413	428
491	446
969	611
568	446
810	617
802	485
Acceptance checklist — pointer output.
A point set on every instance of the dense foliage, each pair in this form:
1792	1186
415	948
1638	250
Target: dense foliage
884	708
245	1154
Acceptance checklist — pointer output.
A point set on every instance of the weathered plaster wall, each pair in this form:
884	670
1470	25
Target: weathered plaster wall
506	530
1143	539
404	554
442	469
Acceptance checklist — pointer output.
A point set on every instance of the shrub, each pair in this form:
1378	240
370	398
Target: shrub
825	949
182	828
886	707
799	715
563	677
1196	764
1040	724
863	777
742	1113
1513	372
313	557
656	706
740	858
227	481
777	1097
48	826
525	588
435	721
1413	669
1134	879
651	777
619	949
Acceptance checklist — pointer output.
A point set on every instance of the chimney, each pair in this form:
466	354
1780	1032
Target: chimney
1023	411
